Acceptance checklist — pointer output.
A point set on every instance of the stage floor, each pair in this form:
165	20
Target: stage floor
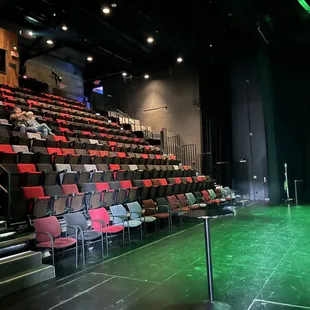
261	260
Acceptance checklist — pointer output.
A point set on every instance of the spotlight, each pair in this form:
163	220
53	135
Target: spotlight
49	42
179	59
146	76
89	58
113	5
30	33
210	45
106	10
64	28
54	14
124	74
150	39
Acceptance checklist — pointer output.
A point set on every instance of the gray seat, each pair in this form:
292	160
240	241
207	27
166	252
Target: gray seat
120	218
66	175
136	213
84	234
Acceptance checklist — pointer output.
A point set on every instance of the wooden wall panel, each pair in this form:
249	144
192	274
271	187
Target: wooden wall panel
7	41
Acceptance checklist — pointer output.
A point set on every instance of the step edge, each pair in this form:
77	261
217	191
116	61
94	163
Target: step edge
25	273
10	259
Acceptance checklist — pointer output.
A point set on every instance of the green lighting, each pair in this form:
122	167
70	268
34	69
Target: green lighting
305	5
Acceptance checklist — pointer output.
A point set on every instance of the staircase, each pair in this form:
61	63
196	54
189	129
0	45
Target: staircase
22	270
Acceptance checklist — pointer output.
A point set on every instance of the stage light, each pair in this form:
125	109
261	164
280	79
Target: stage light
179	59
89	58
49	42
210	45
106	10
64	28
124	73
54	14
30	33
146	76
150	39
113	5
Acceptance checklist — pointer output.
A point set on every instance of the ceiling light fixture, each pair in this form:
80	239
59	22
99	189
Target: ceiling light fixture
124	73
106	10
64	28
210	45
54	14
179	59
30	33
49	42
113	5
89	58
150	39
146	76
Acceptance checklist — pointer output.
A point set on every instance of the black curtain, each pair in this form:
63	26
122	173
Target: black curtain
215	102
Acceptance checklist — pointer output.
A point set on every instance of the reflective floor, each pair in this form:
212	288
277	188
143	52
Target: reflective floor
261	260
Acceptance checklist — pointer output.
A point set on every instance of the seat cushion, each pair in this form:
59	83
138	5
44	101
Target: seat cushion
58	243
90	235
162	215
132	223
110	229
185	209
148	219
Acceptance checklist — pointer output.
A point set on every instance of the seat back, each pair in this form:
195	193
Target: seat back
20	148
63	167
69	189
48	224
135	208
100	214
118	210
24	168
182	200
173	202
53	190
190	198
75	219
90	168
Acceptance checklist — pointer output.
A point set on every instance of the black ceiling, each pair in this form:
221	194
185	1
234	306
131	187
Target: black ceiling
118	41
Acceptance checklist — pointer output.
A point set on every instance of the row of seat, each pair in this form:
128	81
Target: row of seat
16	175
21	154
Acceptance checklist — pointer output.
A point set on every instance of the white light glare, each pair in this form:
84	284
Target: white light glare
179	59
106	10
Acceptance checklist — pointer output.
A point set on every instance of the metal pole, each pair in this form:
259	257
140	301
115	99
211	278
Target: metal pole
296	190
209	260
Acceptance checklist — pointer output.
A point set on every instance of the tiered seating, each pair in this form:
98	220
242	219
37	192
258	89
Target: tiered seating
92	167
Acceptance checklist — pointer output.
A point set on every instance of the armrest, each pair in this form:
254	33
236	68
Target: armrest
102	223
165	207
76	230
139	213
122	217
46	233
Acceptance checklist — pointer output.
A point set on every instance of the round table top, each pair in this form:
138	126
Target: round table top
216	214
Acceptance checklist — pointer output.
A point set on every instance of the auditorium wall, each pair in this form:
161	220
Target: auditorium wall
146	100
7	41
40	68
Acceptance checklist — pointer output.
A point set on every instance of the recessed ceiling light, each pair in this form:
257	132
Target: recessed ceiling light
54	14
150	39
124	73
64	28
89	58
210	45
106	10
113	5
179	59
50	42
146	76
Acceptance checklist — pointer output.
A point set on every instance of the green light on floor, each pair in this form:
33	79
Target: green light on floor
305	5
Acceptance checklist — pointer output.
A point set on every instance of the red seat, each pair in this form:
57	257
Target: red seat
7	156
100	220
48	231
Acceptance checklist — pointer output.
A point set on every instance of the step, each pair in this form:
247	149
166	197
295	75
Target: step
17	263
26	279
